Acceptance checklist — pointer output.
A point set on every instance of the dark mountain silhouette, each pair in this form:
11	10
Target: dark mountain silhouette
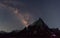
38	29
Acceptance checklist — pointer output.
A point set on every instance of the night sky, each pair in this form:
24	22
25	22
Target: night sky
16	14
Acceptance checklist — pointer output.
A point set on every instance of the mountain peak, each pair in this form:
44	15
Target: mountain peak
37	25
37	28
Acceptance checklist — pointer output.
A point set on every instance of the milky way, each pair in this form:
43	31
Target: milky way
24	18
17	14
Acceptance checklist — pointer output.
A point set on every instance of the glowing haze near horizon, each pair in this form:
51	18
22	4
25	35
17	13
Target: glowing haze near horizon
17	14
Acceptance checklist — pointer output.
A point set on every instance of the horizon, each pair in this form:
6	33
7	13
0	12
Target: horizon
17	14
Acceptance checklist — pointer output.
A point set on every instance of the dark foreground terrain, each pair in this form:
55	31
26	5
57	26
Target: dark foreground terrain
36	30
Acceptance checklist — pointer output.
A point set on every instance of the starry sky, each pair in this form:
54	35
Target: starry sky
17	14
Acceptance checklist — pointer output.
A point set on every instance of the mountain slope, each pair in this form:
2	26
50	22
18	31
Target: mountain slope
37	29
